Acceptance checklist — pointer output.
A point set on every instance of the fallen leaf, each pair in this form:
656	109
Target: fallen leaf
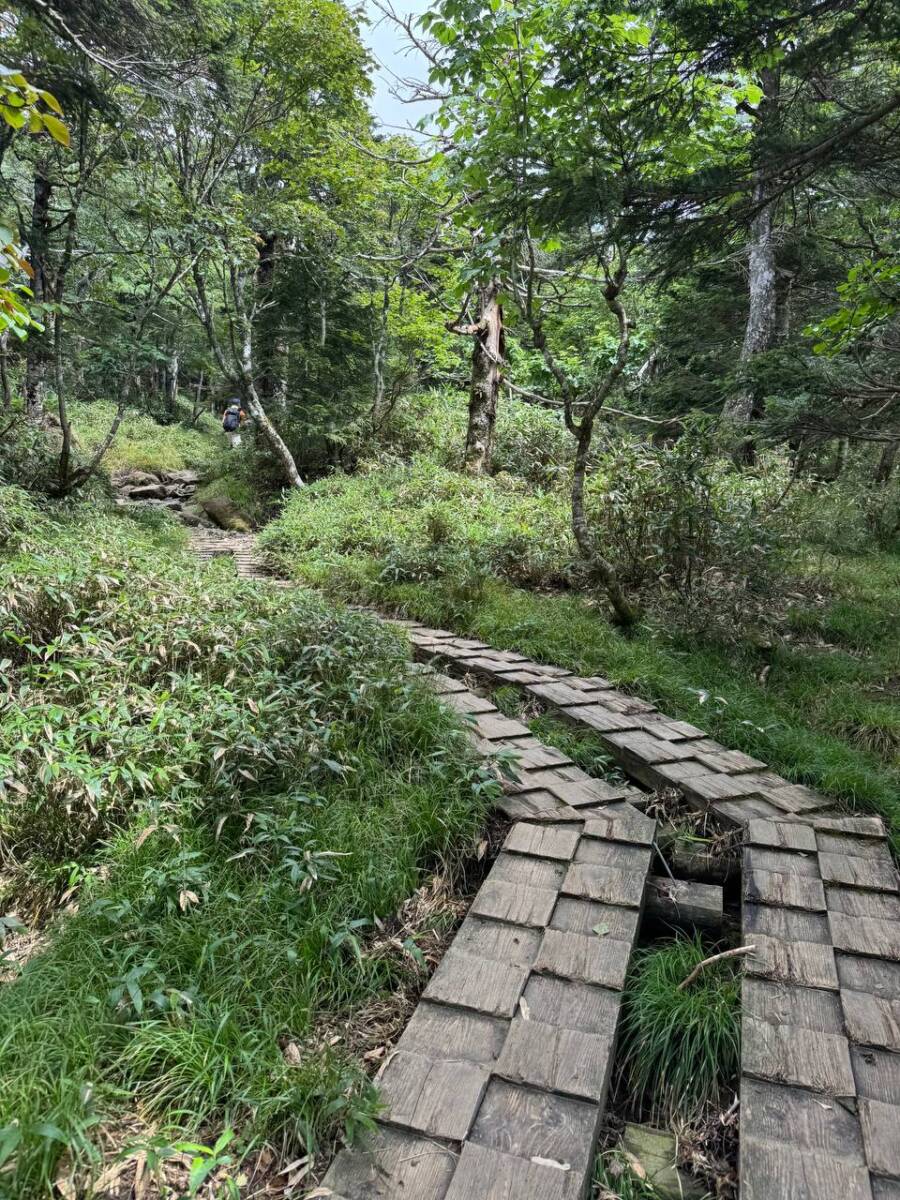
482	850
636	1166
291	1054
374	1055
143	835
601	930
187	898
524	1009
318	1193
550	1162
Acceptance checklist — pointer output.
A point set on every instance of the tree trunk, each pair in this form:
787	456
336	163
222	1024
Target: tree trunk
171	383
886	462
271	349
5	389
744	405
379	354
487	363
37	363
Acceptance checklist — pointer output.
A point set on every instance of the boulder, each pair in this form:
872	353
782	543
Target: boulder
185	476
132	479
149	491
657	1153
226	514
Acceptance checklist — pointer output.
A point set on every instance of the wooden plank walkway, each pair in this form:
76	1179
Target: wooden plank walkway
820	1060
497	1087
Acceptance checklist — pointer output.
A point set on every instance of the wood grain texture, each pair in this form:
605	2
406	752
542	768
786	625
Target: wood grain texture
802	1057
527	871
528	1123
783	891
441	1031
684	903
868	873
788	924
570	1005
858	847
876	976
607	884
557	1060
788	1174
487	1174
506	901
392	1165
786	835
865	935
877	1074
515	945
622	855
881	1136
548	841
785	1004
583	916
785	862
591	958
772	1113
858	826
855	903
807	964
489	987
438	1097
621	823
872	1020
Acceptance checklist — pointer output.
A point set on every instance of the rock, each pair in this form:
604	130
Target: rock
132	479
193	514
226	514
149	491
655	1150
186	476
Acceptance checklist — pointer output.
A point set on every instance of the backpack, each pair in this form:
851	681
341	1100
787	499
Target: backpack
232	419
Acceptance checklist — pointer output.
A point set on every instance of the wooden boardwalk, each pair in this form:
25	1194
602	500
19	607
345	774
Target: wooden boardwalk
497	1087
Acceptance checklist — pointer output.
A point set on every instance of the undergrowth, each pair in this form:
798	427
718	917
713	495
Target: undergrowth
143	444
227	785
680	1048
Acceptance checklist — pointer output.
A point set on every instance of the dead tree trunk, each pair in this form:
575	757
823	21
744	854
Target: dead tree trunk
745	405
886	462
37	362
487	375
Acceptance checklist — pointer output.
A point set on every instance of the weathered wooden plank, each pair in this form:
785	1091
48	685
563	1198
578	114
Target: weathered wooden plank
548	841
684	903
526	871
774	1113
715	786
865	935
570	1005
622	855
587	916
648	749
858	826
730	761
786	891
872	1020
536	1124
606	884
468	702
576	792
446	684
787	924
786	1004
806	964
687	768
439	1097
392	1165
604	720
786	835
494	725
881	1136
782	1173
786	862
489	987
857	903
565	694
877	1074
535	806
875	976
487	1174
536	757
439	1031
671	731
514	902
857	847
621	822
795	798
739	812
589	957
515	945
803	1057
886	1189
868	873
559	1060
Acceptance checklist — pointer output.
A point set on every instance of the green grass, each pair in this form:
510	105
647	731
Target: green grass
142	444
237	782
818	716
680	1049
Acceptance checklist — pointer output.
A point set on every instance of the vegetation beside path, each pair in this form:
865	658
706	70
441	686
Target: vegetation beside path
230	790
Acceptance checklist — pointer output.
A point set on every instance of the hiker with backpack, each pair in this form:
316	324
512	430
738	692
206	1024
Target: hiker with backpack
232	420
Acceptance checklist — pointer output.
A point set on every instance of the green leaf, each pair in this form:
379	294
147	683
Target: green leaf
56	129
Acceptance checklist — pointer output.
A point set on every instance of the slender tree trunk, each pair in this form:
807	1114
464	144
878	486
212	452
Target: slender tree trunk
487	363
744	405
271	348
886	462
784	287
171	382
5	389
379	354
37	353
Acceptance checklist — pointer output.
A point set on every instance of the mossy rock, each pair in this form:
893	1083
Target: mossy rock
657	1153
226	514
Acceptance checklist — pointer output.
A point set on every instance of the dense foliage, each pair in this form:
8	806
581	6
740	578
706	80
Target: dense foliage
227	786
